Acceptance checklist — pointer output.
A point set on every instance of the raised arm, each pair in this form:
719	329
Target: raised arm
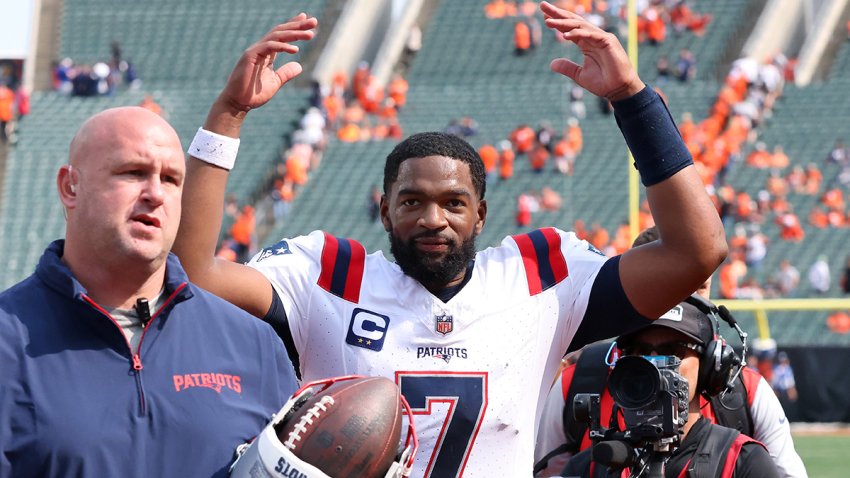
252	83
692	244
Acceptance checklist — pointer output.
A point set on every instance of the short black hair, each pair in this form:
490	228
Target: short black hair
434	143
650	234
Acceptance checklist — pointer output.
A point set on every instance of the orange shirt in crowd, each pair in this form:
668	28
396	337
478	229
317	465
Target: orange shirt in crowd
500	9
580	230
550	200
149	104
599	237
397	90
286	190
813	179
835	218
339	82
395	130
523	139
523	213
779	159
358	83
759	158
656	29
506	163
839	322
777	186
349	133
622	239
388	110
527	8
731	274
575	139
538	158
371	95
790	228
243	227
562	149
7	100
645	219
522	36
833	199
296	170
489	156
333	105
353	114
780	205
818	218
744	205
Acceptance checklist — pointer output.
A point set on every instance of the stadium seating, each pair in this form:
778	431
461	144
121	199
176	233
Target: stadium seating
183	61
180	43
806	123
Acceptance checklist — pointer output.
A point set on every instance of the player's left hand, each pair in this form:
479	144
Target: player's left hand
606	71
254	80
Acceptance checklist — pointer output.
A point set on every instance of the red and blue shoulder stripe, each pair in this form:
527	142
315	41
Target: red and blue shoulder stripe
343	261
542	259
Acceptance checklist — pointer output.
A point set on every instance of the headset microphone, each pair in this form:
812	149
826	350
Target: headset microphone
143	310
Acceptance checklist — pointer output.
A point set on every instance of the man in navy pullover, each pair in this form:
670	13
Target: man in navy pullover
111	362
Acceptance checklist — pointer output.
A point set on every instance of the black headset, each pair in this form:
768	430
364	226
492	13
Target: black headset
719	365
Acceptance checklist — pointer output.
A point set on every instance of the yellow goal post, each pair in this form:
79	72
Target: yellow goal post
760	308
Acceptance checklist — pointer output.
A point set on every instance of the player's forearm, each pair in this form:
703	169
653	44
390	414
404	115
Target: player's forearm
201	219
203	198
688	224
686	218
692	241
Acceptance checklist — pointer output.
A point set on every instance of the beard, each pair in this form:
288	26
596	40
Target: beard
428	269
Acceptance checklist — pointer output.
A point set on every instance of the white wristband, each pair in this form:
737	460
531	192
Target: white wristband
214	148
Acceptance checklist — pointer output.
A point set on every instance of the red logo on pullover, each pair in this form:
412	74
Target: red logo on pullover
215	381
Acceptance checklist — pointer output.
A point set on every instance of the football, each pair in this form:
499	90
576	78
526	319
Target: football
350	429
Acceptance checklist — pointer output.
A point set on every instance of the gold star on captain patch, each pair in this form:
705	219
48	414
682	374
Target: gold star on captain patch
368	342
359	341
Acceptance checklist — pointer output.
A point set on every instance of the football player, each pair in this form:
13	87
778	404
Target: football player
471	338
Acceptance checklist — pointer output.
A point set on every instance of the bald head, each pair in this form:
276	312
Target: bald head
101	131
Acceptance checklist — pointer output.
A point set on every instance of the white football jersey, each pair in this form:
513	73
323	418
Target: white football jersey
475	370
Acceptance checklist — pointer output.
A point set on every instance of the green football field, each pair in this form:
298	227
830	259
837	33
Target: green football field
825	456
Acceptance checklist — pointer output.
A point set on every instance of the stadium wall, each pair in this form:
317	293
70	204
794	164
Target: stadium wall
822	384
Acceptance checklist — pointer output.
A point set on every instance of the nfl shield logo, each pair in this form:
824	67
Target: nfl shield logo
443	324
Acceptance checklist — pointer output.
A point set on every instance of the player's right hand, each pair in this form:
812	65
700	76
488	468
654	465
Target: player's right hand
254	80
606	71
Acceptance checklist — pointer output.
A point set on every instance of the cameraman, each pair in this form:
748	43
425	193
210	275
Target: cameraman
686	334
759	415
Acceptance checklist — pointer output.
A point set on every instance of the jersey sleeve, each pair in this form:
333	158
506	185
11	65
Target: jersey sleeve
593	305
293	266
555	259
771	427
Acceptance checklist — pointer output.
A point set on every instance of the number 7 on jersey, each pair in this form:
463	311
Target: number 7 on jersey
466	395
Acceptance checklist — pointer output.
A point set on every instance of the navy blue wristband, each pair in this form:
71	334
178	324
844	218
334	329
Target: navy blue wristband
651	135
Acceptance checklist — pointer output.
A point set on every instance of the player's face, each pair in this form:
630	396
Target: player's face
654	339
129	192
432	214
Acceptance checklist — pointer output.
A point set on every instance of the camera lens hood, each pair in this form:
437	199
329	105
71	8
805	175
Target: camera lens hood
634	382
